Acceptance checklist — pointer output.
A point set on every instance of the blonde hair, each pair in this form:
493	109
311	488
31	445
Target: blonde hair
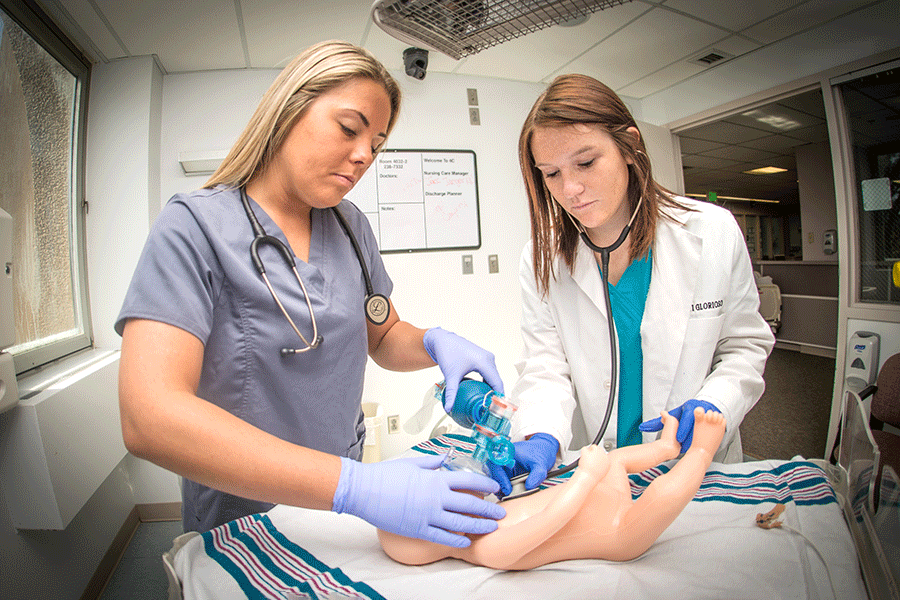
317	70
579	99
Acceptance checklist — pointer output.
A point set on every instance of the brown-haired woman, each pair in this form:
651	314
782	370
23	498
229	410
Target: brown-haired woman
681	289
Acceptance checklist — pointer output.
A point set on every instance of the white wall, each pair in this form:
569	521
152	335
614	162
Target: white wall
818	212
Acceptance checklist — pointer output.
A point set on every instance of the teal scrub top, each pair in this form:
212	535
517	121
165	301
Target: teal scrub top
628	298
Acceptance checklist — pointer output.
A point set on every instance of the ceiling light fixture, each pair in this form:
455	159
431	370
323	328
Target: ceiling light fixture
779	122
765	171
737	198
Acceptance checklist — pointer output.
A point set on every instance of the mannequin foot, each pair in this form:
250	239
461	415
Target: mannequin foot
709	428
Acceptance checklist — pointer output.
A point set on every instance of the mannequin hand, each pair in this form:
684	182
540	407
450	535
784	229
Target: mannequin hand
685	416
409	497
535	456
457	357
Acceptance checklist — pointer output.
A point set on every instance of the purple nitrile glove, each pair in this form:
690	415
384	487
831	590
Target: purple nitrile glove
411	497
457	357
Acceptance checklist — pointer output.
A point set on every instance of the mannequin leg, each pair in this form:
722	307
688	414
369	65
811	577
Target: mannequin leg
533	519
529	522
668	494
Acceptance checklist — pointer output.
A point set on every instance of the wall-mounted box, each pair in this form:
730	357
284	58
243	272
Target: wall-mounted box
59	446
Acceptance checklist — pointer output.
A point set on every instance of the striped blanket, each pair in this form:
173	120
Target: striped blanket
713	550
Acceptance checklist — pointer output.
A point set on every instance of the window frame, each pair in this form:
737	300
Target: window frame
41	28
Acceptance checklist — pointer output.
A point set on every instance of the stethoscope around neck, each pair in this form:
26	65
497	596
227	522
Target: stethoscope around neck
376	306
604	251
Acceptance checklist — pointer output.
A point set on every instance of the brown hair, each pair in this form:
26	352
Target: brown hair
579	99
317	70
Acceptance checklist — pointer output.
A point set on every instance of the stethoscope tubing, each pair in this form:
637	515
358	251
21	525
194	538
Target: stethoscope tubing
260	238
604	252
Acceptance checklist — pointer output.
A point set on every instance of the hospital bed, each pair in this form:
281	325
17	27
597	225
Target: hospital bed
714	549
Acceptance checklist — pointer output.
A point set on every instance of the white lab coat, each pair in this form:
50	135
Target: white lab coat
702	335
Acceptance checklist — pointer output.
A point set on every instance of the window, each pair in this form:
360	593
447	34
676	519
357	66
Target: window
872	105
42	89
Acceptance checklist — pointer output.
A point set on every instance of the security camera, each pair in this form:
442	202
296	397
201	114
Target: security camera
415	62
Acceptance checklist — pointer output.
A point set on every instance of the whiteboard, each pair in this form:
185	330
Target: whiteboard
420	200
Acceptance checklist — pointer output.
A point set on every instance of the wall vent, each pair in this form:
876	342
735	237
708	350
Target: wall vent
711	57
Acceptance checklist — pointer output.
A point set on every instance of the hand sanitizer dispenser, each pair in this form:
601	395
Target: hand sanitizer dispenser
9	391
861	366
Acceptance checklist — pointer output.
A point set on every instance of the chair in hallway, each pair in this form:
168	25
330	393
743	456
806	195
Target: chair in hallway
769	300
885	410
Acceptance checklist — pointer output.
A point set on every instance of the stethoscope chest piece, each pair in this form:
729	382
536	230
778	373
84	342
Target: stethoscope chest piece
377	309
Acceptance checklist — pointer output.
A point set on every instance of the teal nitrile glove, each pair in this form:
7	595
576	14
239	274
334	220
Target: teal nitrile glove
535	456
685	416
410	497
457	357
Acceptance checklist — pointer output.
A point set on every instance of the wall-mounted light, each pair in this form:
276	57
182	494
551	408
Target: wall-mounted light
201	163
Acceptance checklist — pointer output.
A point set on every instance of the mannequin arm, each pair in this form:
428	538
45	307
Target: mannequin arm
645	456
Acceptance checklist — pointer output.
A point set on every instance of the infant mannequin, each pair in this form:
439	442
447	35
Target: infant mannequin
592	515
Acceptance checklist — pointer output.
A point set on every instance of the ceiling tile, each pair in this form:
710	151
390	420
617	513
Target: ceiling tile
638	50
192	36
661	79
774	143
706	162
734	16
740	153
810	103
691	145
815	134
801	18
729	133
278	30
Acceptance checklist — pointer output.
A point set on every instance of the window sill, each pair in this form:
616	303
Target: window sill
58	372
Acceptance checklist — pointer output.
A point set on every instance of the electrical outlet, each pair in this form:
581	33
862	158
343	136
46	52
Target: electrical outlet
467	264
474	118
493	264
393	423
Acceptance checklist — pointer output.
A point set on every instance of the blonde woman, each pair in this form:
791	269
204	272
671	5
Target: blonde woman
242	367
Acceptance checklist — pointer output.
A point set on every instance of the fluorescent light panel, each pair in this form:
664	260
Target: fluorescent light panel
765	170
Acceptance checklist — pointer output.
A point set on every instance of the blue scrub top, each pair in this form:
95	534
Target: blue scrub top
195	273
